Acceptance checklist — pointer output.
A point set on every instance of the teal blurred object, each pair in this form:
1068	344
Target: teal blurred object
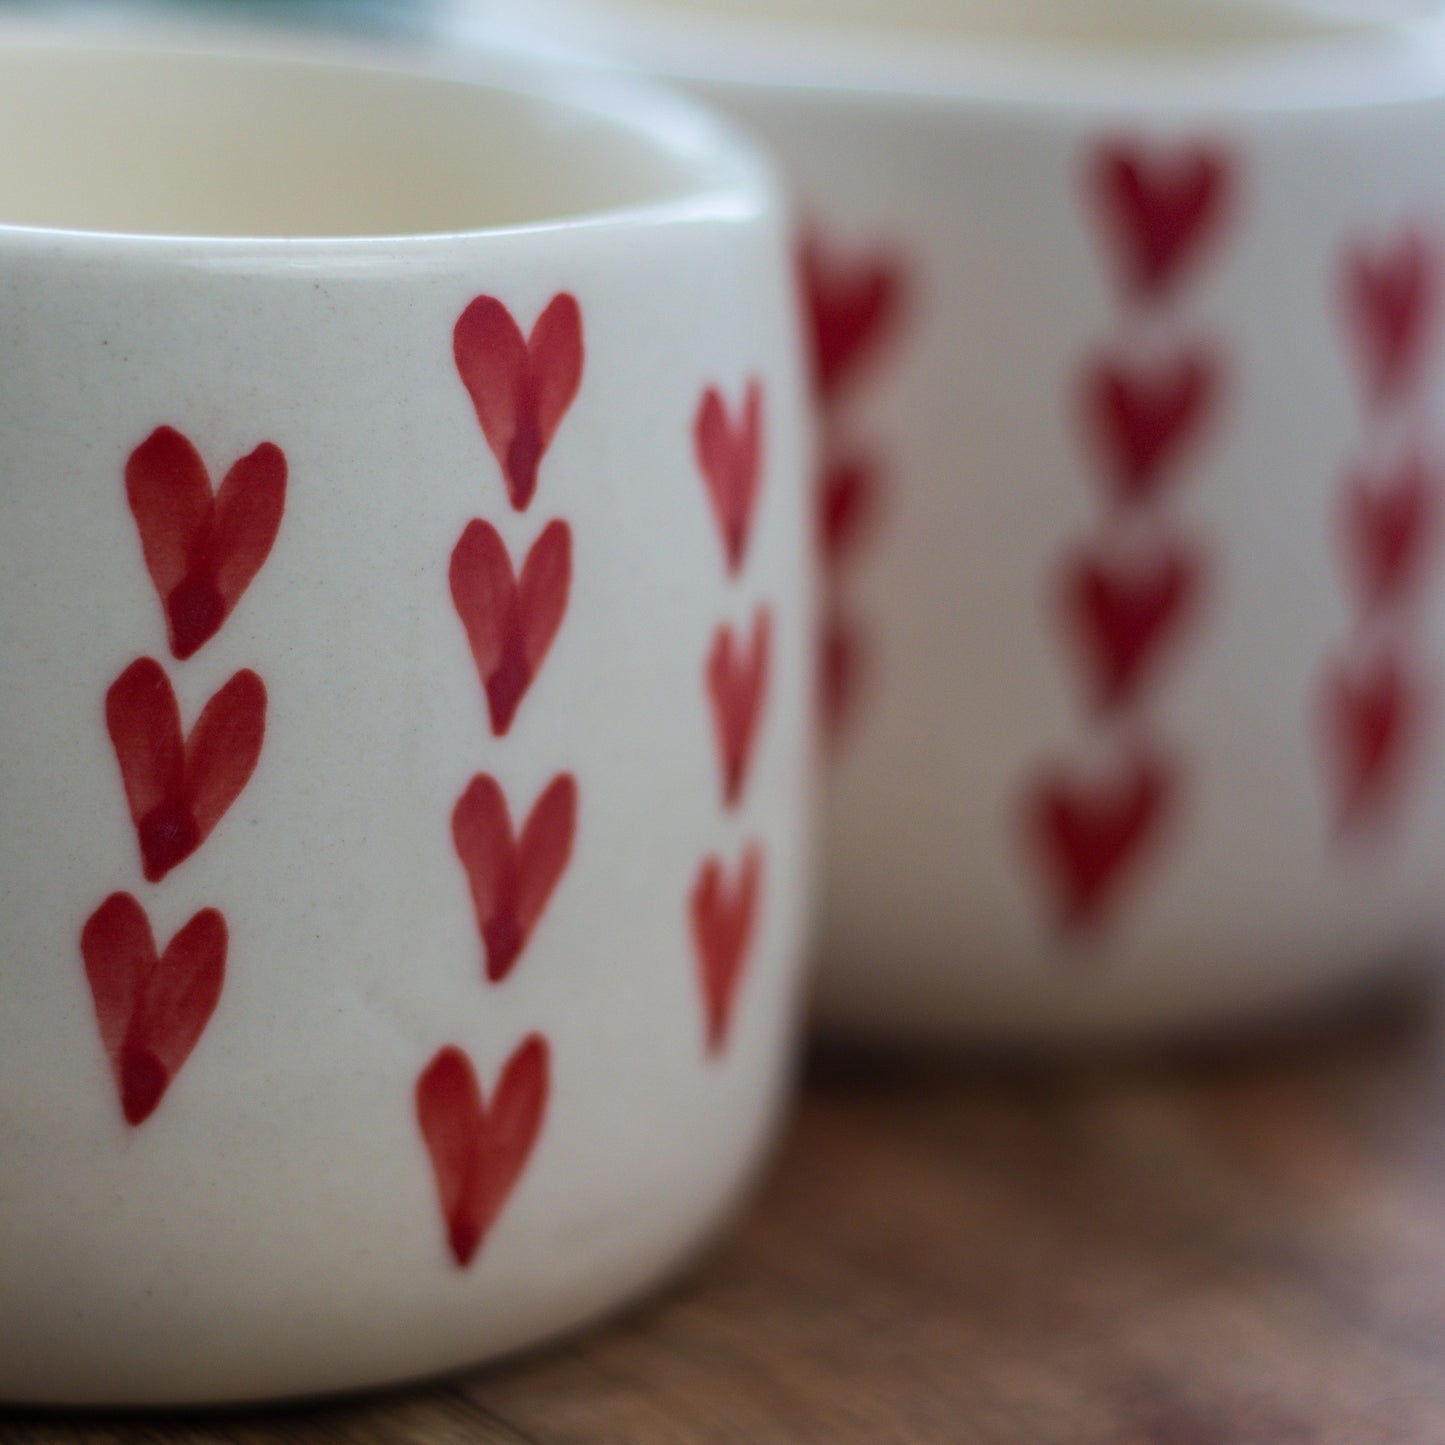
395	17
390	15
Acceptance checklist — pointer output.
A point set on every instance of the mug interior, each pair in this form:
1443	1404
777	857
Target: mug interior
208	145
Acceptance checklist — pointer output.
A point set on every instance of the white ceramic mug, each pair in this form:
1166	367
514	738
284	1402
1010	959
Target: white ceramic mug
404	615
1128	350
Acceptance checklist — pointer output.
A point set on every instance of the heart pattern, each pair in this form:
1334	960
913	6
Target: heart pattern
842	655
1391	524
852	304
510	622
1161	206
848	508
479	1153
152	1007
729	455
1374	705
855	300
1127	604
512	878
521	387
179	787
1143	422
737	682
1390	302
202	550
724	922
1126	615
1091	838
1372	714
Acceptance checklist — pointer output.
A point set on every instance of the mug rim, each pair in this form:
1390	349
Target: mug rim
717	174
1383	65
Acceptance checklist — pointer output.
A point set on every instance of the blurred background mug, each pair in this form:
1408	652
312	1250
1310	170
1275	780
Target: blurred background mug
1127	343
404	616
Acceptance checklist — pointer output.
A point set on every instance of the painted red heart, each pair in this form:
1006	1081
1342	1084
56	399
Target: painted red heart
202	550
852	305
1390	297
1161	205
1372	716
1391	524
730	456
179	787
841	666
510	621
1144	422
521	387
478	1152
1093	837
1127	614
152	1007
512	878
724	920
848	507
737	682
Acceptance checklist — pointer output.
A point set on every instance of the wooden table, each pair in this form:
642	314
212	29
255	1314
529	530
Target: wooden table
1240	1250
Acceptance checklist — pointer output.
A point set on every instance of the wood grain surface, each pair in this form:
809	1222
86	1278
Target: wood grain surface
1215	1250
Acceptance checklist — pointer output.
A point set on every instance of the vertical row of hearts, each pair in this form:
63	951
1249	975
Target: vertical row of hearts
1375	695
725	902
852	305
1127	599
521	388
202	550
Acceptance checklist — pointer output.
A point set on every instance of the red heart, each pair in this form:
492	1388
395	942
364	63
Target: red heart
152	1009
1390	298
840	667
724	917
510	623
1092	837
512	878
847	508
852	304
477	1153
1390	528
1144	422
202	550
180	787
736	684
1161	207
1126	615
520	388
1372	716
730	457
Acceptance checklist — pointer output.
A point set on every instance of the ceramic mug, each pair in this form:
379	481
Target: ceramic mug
1127	328
403	615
